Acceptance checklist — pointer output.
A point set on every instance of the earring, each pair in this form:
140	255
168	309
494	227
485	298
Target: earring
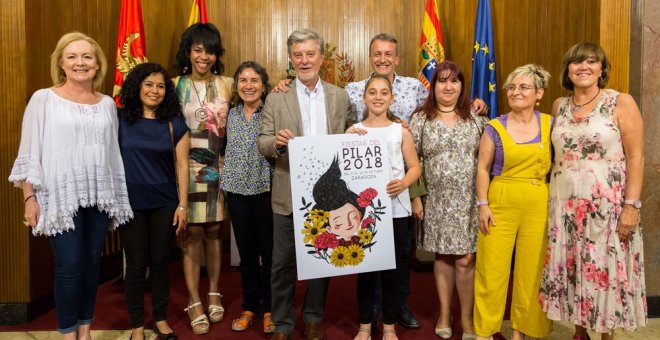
538	101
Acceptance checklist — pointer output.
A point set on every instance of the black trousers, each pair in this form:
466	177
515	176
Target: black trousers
390	281
252	220
146	240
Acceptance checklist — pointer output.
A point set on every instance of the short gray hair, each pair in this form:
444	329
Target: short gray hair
384	37
299	36
539	75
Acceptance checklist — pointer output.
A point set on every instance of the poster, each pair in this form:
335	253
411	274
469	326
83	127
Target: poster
341	211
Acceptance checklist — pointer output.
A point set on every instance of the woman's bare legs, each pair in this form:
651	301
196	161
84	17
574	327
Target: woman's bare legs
464	266
443	272
213	253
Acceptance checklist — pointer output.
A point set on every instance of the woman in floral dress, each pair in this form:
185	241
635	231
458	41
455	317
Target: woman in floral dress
594	267
203	94
447	134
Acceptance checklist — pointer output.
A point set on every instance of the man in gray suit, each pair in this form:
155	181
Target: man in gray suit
311	107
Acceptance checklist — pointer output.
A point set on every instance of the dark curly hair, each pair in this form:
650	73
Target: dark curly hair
462	105
129	96
263	74
207	35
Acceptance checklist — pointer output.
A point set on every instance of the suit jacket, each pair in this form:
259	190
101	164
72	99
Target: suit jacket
282	111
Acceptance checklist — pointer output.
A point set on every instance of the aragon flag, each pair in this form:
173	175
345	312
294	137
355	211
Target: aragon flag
131	44
198	13
431	51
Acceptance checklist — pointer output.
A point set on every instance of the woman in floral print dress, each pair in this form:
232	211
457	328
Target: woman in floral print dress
594	267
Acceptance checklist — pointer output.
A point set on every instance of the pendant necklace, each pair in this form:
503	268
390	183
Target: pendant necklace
575	107
200	113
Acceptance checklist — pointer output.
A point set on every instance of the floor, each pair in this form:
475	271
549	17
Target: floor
561	331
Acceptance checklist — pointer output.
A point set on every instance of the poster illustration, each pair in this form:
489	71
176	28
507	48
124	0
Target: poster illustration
341	211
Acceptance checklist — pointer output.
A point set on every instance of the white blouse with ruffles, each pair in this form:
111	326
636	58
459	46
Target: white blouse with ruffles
70	154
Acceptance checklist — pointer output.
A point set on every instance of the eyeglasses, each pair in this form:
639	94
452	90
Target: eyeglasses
521	87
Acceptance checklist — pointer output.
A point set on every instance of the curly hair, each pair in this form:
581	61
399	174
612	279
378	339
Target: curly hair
207	35
129	96
260	70
431	103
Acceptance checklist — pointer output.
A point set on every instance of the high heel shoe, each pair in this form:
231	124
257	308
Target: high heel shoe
200	325
163	336
216	312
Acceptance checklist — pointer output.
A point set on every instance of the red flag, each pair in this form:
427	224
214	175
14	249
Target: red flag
131	44
198	13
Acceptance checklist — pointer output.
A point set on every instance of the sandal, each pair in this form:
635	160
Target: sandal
200	325
365	330
243	322
216	312
269	326
388	331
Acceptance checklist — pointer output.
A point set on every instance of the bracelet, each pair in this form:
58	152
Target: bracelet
27	198
482	202
181	207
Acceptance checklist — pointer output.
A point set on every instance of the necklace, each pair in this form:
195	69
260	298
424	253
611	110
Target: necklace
200	113
577	107
450	111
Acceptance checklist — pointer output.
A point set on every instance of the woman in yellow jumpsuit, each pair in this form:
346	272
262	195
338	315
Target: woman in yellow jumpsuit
513	209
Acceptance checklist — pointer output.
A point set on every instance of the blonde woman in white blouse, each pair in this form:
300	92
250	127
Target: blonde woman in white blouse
71	172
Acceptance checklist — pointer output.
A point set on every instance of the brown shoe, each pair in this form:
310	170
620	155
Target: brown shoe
280	336
314	331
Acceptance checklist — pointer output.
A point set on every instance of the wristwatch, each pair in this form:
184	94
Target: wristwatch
635	203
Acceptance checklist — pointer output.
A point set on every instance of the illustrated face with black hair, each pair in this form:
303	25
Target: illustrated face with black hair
333	195
345	221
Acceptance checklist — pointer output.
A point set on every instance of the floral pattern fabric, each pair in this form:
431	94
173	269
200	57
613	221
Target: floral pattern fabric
450	163
246	171
409	93
591	278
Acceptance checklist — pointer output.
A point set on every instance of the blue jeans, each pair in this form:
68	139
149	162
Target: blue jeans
77	256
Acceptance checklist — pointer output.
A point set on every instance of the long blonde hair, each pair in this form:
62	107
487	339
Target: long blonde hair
56	71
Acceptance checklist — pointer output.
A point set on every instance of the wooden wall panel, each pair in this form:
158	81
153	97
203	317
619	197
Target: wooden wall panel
525	31
615	39
14	236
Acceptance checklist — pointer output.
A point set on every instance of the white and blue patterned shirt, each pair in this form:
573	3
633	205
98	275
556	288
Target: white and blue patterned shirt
409	93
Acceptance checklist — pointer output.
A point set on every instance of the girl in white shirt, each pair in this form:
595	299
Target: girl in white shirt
378	97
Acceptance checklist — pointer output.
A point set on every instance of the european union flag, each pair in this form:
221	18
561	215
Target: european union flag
484	84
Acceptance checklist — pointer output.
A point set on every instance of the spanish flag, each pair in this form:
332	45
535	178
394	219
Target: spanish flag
131	44
431	51
198	13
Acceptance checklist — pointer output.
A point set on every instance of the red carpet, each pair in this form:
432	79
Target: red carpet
341	320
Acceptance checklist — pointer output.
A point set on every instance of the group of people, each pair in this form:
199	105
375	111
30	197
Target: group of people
182	155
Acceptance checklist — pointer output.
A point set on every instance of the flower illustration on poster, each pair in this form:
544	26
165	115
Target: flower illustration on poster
342	214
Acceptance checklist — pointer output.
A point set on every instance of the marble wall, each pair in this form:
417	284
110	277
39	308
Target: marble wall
645	86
